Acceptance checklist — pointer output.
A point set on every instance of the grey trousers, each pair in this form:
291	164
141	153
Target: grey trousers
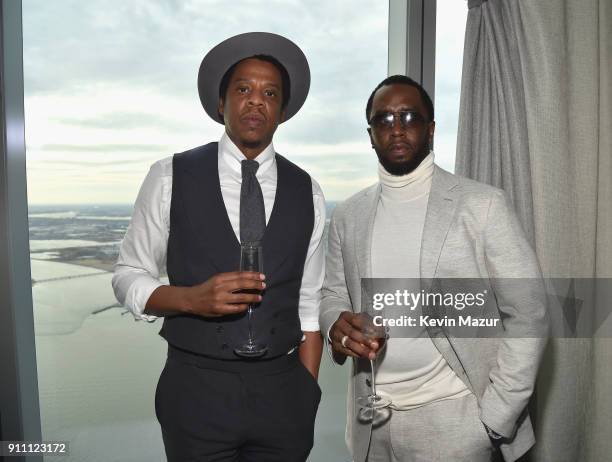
448	430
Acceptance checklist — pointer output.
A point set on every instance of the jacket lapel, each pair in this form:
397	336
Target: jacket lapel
440	212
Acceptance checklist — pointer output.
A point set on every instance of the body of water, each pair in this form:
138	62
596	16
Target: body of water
97	366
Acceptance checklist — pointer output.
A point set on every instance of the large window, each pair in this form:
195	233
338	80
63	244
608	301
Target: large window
109	89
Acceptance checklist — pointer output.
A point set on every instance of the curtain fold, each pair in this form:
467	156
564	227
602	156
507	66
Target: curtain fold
536	120
493	143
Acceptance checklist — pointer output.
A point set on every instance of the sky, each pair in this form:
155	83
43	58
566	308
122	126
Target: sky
110	87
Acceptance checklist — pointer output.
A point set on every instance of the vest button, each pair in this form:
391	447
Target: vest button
273	331
225	346
219	329
276	315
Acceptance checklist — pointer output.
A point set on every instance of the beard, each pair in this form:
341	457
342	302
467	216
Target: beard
405	167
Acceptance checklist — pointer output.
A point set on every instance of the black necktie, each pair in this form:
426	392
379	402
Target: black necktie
252	211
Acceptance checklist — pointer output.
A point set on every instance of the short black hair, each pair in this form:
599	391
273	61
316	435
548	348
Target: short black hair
286	82
402	80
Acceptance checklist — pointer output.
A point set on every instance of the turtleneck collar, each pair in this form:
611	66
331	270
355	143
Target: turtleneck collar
410	186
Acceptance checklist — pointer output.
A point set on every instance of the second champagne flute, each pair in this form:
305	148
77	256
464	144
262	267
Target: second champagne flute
379	334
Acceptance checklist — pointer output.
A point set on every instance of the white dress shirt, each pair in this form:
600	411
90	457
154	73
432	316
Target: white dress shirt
142	256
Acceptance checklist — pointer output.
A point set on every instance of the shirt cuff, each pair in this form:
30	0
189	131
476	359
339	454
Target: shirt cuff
310	326
139	293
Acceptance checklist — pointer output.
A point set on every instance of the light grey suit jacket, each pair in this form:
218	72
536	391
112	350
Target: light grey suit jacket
470	231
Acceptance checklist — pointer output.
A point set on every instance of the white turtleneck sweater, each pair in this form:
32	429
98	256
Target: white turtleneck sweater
411	371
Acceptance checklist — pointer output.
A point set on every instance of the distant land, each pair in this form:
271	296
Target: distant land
86	235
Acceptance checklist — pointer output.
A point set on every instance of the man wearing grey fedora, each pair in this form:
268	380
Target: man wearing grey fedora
444	395
216	399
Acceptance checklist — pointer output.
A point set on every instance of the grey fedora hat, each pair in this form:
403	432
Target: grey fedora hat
218	60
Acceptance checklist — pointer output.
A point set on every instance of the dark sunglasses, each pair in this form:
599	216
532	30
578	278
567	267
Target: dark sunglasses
408	119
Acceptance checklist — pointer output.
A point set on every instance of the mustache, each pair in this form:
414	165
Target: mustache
253	113
401	143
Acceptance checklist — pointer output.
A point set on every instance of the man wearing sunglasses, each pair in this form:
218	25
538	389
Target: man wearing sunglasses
451	398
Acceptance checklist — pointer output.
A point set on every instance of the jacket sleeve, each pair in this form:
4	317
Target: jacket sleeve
335	295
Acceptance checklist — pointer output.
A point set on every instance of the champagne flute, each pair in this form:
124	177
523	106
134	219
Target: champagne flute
379	334
251	259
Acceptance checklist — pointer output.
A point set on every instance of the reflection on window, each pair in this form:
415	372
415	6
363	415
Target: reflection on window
109	89
451	17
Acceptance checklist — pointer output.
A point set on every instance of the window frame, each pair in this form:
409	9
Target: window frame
19	404
412	41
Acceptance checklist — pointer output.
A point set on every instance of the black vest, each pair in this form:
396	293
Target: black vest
202	243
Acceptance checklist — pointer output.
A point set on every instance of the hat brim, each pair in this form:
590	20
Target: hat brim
218	60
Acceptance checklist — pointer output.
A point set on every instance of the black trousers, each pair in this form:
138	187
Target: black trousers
239	411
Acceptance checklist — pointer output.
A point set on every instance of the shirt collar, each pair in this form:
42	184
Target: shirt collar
232	156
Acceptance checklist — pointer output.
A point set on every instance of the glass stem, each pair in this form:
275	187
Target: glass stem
249	320
373	377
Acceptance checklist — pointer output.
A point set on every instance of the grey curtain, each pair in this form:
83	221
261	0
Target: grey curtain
536	120
493	144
